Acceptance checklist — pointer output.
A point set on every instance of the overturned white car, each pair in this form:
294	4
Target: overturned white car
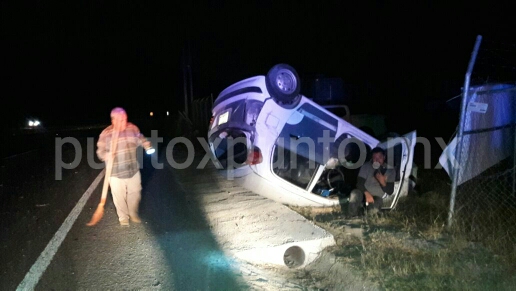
282	145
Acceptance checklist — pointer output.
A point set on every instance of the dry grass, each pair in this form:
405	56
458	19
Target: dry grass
411	247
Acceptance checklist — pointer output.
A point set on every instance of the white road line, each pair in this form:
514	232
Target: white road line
41	264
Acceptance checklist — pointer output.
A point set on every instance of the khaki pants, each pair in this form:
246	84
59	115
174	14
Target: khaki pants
126	195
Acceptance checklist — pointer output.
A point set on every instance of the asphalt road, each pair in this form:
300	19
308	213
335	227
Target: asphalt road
46	245
172	249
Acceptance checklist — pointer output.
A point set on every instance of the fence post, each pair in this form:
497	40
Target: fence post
514	149
458	148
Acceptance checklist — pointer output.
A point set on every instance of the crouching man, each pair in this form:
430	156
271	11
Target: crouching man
375	182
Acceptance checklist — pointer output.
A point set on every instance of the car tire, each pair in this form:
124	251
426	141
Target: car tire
283	84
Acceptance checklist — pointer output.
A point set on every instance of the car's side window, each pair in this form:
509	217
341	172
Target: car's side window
302	134
292	167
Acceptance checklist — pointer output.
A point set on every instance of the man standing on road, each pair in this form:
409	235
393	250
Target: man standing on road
125	180
375	182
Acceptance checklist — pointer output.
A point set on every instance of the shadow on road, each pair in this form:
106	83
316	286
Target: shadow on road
35	204
176	219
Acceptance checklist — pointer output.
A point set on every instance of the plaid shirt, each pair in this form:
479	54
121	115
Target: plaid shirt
125	164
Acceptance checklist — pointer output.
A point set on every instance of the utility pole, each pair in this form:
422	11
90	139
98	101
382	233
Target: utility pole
187	77
190	79
185	87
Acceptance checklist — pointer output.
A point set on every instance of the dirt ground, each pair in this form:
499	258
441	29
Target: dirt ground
372	253
335	270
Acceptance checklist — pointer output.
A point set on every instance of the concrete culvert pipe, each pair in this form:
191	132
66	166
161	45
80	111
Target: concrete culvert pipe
294	257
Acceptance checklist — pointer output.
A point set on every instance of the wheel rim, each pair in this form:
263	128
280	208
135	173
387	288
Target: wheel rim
286	81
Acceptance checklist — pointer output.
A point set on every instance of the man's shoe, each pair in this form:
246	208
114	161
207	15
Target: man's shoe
136	219
124	222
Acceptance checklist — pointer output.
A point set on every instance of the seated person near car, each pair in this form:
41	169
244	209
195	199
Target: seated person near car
375	181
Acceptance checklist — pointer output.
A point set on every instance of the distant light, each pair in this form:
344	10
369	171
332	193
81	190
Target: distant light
151	113
168	113
34	123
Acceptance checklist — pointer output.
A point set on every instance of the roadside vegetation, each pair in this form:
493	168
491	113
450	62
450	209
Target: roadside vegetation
411	247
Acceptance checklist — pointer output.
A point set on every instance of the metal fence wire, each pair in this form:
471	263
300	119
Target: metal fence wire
483	194
485	200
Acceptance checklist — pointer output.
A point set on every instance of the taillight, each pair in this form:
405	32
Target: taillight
254	156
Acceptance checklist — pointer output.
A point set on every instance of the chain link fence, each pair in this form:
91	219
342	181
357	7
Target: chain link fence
483	204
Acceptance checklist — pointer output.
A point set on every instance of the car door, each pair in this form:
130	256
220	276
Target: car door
400	155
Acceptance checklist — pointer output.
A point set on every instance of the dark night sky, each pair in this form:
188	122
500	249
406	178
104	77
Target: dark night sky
71	63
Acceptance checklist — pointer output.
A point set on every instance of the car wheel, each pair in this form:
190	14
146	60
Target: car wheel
283	84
